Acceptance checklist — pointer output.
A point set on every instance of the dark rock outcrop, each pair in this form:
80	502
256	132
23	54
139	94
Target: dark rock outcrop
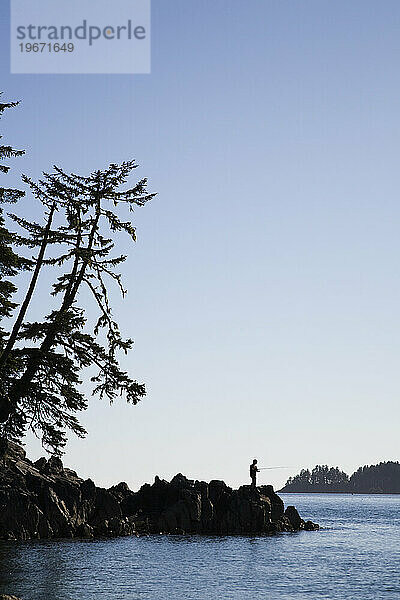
46	500
185	506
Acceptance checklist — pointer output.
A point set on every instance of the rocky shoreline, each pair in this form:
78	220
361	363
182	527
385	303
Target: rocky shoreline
45	500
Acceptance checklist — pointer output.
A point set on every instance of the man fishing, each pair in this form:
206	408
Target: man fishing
253	473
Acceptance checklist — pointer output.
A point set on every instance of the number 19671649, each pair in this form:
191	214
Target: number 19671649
46	47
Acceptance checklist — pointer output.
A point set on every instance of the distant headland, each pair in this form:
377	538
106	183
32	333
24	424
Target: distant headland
383	478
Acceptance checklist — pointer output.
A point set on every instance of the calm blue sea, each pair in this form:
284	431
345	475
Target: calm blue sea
355	555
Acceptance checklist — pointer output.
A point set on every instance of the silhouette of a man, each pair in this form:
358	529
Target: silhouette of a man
253	472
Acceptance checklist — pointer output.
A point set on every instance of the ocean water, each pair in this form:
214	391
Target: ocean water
356	555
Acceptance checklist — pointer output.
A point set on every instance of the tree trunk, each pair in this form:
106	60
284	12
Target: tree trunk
76	279
24	307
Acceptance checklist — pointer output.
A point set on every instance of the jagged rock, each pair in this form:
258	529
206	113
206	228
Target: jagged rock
45	500
185	506
277	506
40	464
310	526
6	597
295	520
13	451
84	531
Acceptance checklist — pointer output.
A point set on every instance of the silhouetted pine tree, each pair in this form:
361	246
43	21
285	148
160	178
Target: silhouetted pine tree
45	393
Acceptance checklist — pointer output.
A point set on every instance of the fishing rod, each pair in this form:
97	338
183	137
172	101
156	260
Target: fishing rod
264	468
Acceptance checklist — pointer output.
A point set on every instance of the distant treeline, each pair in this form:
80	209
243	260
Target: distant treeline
383	478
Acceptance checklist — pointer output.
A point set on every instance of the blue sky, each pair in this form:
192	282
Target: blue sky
264	287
